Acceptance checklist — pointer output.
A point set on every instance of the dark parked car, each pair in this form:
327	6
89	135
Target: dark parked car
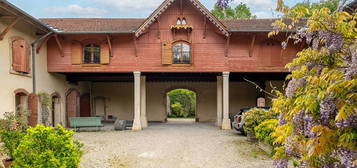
238	122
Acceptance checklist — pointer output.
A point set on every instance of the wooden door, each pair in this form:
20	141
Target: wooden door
72	101
85	105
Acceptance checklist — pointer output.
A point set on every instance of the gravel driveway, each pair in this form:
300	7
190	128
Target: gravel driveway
170	145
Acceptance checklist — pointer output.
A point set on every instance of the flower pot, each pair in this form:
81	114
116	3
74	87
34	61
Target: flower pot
7	162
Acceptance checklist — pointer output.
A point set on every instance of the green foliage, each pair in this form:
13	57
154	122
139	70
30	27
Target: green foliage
265	129
182	103
254	117
330	4
12	128
48	147
241	11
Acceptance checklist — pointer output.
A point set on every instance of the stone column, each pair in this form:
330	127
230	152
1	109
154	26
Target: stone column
144	122
137	109
226	124
219	101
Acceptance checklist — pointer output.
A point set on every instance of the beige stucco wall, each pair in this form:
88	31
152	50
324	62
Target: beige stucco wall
46	82
119	98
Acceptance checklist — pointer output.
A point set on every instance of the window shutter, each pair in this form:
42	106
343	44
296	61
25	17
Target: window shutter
20	55
77	52
104	54
166	53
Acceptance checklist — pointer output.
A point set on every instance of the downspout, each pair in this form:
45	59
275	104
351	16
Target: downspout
33	46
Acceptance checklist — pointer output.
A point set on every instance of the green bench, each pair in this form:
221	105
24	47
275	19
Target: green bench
80	122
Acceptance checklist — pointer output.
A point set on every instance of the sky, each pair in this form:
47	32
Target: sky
124	8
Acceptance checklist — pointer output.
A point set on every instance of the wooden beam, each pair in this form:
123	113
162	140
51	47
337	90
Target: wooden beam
59	45
158	29
205	31
41	44
7	29
251	48
135	46
109	45
227	46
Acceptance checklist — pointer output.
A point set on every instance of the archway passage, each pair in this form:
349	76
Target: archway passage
181	104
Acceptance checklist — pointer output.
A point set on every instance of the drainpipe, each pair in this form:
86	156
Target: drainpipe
33	46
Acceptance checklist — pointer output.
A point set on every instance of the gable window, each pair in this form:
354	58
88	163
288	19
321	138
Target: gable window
91	54
20	51
182	53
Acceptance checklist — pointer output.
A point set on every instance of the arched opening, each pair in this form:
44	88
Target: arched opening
72	105
56	109
21	97
181	104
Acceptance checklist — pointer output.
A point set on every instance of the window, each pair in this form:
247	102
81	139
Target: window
21	96
91	54
184	21
178	22
20	55
182	53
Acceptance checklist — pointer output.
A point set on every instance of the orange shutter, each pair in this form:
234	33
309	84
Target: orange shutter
104	54
166	53
20	55
77	51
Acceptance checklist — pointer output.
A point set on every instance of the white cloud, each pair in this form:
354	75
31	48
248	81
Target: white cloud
131	5
260	8
78	11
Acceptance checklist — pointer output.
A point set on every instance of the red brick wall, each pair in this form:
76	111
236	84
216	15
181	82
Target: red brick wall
208	53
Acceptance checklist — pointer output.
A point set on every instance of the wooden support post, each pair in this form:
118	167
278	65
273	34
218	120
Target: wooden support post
135	46
41	44
251	48
227	46
59	45
205	30
109	45
158	29
7	29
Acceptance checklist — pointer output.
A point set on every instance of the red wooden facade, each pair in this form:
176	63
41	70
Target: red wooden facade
211	50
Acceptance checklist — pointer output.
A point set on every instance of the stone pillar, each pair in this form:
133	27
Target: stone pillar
226	124
137	109
219	101
144	122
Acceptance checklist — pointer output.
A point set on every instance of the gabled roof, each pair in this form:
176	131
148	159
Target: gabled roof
167	3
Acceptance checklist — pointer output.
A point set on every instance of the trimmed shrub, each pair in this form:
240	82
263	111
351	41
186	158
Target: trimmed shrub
264	130
254	117
51	147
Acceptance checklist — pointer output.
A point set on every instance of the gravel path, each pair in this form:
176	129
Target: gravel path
171	145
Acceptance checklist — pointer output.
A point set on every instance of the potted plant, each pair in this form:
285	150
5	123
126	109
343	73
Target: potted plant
12	129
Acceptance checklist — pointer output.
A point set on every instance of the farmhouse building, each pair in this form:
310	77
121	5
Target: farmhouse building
122	68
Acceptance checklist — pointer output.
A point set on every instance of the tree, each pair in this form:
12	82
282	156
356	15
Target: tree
182	102
318	111
241	11
330	4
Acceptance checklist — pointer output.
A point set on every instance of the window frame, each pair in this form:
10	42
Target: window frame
182	60
92	53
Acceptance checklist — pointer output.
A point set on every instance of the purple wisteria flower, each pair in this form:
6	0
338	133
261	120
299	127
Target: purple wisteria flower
223	3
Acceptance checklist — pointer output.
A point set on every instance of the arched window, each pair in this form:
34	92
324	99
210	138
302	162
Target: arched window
178	22
182	53
184	21
21	96
91	54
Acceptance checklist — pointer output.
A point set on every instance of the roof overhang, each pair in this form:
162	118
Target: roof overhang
167	3
12	10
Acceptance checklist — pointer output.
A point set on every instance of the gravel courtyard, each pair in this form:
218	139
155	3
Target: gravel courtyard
170	145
